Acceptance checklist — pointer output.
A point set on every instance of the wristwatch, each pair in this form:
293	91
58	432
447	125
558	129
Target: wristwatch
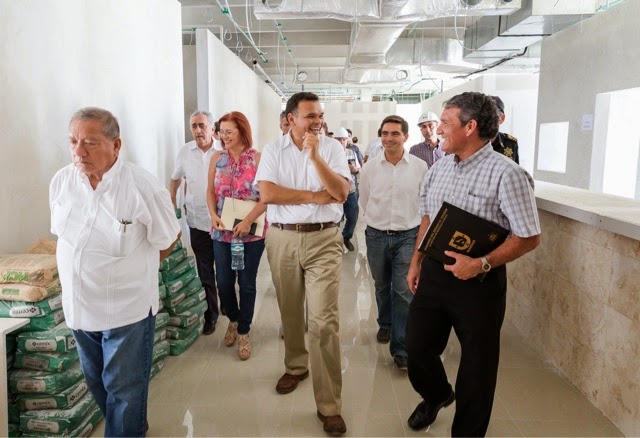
486	267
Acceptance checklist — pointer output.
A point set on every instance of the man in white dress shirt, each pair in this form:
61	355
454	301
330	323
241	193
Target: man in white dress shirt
373	148
304	179
192	164
389	190
114	223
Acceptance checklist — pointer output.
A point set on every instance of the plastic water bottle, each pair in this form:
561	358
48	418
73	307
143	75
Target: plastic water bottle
237	254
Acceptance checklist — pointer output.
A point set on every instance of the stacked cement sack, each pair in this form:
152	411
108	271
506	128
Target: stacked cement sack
160	344
48	392
12	407
185	300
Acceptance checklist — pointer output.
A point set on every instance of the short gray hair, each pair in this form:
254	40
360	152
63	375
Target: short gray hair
202	113
110	126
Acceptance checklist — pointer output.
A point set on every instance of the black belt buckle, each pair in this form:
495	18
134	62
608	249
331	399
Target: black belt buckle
392	232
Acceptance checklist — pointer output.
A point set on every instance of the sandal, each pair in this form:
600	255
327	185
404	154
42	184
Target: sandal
231	335
244	347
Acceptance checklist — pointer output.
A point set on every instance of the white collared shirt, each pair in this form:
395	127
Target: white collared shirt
282	163
109	273
374	148
389	194
193	164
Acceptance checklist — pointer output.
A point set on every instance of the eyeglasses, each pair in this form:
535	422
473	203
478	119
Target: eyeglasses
229	132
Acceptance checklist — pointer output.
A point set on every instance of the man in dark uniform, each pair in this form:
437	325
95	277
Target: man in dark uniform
505	144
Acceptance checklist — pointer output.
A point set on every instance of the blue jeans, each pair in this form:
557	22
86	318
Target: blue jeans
351	212
226	279
116	364
389	258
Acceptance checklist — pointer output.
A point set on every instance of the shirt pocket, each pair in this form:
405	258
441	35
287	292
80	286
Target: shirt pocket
481	203
125	238
60	219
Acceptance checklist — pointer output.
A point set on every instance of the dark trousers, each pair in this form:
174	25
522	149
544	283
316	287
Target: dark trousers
202	246
475	310
241	312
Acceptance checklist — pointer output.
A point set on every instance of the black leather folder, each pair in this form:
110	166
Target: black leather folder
455	229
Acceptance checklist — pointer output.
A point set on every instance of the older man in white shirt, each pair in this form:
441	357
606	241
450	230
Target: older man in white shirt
389	190
192	164
303	178
114	223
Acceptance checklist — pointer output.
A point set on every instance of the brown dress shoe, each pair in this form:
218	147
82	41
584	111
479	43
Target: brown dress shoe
288	382
332	424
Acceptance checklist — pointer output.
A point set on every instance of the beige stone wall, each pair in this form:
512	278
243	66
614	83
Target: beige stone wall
577	299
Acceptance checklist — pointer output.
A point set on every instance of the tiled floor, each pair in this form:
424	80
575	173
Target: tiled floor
208	391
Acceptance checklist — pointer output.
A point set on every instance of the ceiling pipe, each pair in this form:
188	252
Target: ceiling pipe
258	67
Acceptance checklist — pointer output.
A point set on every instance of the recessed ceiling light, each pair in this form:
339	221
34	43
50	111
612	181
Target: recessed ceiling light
302	76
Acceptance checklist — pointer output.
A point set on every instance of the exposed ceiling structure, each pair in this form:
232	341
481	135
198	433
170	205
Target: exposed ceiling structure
380	49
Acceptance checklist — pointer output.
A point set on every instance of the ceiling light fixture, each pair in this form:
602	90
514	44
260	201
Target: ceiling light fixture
401	75
302	76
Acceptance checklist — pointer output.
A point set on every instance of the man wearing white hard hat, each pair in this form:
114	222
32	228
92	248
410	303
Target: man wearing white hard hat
430	149
351	209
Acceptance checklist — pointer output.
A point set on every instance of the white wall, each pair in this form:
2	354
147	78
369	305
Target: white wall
58	56
599	55
363	118
190	87
225	83
519	94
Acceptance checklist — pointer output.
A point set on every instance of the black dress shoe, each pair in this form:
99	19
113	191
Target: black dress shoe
400	361
424	415
209	327
349	245
383	336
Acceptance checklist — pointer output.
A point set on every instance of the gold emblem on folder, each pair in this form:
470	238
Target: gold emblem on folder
460	241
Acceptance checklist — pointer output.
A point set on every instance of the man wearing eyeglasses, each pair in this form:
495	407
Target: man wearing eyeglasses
192	164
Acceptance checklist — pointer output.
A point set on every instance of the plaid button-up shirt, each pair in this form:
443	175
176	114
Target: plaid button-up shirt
486	184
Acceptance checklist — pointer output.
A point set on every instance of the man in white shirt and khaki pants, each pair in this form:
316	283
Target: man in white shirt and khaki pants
389	191
114	223
304	179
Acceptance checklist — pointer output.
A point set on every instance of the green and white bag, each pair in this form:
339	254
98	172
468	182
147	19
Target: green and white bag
190	316
159	335
64	400
179	269
162	291
173	300
13	412
174	286
43	323
57	421
44	361
156	368
23	309
187	303
42	382
193	287
178	333
179	347
14	430
160	351
162	319
57	340
173	259
84	429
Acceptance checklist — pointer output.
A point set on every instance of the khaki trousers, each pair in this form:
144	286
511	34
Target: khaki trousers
309	264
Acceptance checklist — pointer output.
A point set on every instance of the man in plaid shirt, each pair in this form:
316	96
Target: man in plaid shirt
481	181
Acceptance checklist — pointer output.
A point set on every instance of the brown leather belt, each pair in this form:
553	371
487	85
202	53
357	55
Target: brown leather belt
305	228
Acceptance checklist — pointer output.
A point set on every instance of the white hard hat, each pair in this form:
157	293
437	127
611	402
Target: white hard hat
428	117
341	133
